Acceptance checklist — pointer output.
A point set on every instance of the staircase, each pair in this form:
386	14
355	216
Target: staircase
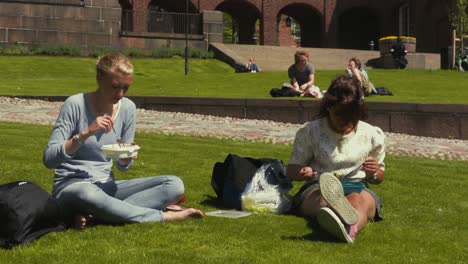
274	58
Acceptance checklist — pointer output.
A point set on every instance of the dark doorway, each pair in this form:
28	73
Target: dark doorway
243	18
357	27
309	23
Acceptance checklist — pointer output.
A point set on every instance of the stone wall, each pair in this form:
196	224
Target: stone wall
96	23
87	24
430	120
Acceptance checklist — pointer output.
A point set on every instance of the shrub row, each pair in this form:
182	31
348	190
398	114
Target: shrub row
73	50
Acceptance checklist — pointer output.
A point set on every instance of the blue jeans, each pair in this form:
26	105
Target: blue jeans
119	202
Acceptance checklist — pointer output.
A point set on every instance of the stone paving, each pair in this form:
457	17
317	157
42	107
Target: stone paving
42	112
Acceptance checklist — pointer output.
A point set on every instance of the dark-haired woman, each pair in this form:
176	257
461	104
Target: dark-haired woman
337	155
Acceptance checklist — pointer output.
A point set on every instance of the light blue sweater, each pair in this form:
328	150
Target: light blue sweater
88	163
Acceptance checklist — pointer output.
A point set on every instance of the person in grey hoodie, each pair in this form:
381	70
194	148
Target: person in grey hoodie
84	183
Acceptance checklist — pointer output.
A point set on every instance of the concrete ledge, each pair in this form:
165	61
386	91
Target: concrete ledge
430	120
160	35
275	58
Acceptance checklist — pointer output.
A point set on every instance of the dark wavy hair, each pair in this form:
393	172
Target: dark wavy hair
346	97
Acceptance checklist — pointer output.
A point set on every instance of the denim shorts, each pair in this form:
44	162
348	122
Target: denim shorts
314	185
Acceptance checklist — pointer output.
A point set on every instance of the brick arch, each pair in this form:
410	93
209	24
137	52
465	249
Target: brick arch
310	20
245	14
316	5
357	26
271	10
212	4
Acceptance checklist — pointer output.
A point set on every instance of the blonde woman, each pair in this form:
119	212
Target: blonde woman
84	183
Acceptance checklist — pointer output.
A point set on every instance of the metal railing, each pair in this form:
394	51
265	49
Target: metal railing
49	2
161	22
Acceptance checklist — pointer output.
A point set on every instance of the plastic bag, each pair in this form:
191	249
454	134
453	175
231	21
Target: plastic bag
267	191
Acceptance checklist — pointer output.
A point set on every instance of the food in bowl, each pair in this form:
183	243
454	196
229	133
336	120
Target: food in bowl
120	151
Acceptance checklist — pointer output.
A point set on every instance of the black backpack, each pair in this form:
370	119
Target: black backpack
230	177
283	92
26	213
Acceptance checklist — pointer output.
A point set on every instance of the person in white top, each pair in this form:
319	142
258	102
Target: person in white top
337	155
354	69
251	66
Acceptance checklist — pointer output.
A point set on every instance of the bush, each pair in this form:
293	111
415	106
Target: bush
58	50
74	50
16	50
167	52
202	54
134	52
97	52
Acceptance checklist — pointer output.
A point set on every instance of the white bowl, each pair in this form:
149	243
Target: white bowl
120	151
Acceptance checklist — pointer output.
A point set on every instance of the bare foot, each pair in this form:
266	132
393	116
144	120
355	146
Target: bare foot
81	221
179	215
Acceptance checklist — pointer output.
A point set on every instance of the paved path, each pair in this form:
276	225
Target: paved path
42	112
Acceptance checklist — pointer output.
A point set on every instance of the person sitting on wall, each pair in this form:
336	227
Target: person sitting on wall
301	75
399	52
251	66
354	69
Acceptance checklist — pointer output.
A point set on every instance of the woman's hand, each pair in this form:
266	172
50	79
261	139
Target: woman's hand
126	161
371	166
102	122
299	173
307	173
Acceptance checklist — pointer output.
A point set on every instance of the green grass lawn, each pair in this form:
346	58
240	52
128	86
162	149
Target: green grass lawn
425	210
212	78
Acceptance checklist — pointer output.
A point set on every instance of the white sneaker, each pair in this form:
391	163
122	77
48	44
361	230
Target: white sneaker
333	194
329	221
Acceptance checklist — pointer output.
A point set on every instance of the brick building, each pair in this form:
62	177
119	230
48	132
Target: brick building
152	23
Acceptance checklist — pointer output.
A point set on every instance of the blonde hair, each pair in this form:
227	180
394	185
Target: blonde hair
114	62
300	53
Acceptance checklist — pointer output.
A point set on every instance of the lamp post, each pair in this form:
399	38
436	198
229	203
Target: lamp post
186	37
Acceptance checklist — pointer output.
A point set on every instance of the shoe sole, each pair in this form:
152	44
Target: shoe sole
329	221
333	194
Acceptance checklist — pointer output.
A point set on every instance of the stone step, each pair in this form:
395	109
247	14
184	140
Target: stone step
274	58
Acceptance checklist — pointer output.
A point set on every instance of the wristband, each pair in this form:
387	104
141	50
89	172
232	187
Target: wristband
77	139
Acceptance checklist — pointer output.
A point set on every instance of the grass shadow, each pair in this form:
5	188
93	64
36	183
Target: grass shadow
212	201
317	234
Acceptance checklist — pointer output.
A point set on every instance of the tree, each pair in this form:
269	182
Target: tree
230	31
459	19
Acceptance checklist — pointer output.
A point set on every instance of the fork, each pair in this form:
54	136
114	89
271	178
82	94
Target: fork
119	141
